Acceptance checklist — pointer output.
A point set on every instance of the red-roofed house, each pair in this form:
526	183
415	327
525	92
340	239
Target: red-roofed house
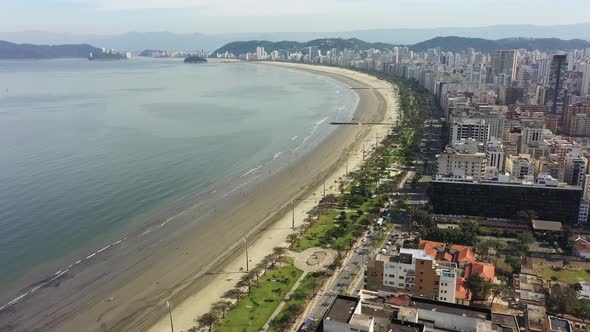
403	300
464	254
581	246
462	295
431	248
485	270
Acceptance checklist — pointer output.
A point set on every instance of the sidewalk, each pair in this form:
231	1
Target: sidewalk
284	301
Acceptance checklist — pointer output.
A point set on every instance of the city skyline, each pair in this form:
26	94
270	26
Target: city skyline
207	16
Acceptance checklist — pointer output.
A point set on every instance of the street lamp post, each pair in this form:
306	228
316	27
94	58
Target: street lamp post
293	215
169	306
246	243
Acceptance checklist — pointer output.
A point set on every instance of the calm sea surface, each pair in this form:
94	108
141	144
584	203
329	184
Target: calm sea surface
91	151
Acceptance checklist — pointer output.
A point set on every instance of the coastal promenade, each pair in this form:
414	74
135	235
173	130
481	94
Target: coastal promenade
377	103
193	264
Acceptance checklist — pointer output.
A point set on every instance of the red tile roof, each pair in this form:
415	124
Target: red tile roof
429	247
403	300
485	270
461	292
464	253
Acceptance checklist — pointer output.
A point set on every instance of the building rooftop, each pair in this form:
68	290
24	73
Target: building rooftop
451	308
507	322
401	326
559	324
485	270
360	320
545	225
342	308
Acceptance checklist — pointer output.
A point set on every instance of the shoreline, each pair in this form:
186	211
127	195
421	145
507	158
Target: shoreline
200	302
127	289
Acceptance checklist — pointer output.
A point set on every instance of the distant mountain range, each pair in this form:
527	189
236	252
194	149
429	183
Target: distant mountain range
27	51
10	50
137	41
485	45
445	43
325	44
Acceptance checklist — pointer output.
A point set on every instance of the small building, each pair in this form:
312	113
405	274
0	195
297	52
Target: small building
557	324
581	247
545	226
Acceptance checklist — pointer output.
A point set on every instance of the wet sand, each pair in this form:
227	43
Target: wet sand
191	264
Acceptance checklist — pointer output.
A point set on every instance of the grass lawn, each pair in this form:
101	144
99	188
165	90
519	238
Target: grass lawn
304	290
570	276
255	309
313	235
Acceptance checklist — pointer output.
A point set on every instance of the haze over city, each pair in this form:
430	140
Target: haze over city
211	16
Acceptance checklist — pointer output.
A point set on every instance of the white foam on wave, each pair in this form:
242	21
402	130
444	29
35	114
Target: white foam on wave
315	128
58	274
251	171
276	155
240	186
294	138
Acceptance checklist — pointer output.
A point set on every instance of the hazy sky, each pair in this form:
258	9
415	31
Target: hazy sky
220	16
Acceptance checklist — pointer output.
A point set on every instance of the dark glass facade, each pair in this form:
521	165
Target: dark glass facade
505	200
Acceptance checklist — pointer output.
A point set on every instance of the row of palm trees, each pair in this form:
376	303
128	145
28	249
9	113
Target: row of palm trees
242	288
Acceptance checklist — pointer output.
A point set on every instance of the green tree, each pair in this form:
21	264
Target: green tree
235	293
207	320
222	307
526	237
582	309
514	262
478	286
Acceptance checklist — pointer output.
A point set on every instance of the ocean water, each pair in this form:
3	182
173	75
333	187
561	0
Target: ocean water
92	151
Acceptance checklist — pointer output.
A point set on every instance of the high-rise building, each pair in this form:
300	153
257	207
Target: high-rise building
555	90
260	53
575	169
465	128
573	125
585	69
504	63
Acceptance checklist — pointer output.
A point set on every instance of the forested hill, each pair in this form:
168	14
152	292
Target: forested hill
10	50
325	44
445	44
455	44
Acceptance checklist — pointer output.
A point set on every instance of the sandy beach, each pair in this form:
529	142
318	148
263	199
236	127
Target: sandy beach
192	264
384	107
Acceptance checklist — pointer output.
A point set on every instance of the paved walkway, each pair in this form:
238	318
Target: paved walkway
310	260
313	259
284	302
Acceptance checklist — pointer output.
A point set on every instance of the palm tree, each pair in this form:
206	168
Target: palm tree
292	238
235	293
266	261
221	306
254	274
207	320
245	282
277	253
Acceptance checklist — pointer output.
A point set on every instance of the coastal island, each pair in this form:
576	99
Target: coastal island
195	59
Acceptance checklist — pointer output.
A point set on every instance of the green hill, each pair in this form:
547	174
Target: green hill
10	50
455	44
324	45
451	43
